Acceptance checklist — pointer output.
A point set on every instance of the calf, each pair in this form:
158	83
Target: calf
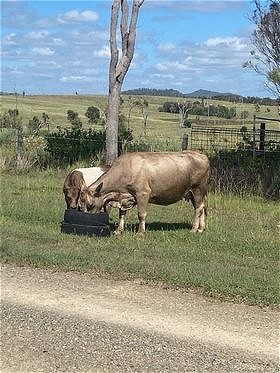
78	178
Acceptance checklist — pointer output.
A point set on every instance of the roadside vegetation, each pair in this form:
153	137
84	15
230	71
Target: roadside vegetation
237	258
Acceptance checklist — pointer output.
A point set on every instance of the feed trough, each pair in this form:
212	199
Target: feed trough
86	224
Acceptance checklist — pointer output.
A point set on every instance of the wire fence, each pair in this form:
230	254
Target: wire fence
208	139
212	139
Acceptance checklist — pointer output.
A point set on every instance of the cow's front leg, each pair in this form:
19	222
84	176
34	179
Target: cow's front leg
142	204
120	227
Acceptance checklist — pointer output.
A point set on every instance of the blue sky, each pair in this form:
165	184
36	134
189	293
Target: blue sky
60	47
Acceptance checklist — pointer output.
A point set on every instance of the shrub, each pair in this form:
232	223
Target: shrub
71	145
74	119
34	125
93	114
35	154
241	172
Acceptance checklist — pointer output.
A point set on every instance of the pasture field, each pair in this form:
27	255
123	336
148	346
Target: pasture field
236	259
160	125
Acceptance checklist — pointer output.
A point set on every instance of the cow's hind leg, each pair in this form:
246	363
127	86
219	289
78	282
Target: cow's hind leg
142	205
199	201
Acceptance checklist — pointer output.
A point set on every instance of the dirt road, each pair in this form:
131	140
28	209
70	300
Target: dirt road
71	322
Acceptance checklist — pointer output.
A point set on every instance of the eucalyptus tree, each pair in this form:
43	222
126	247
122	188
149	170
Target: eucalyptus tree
119	65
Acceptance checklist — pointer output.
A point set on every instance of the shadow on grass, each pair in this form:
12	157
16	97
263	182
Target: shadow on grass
156	226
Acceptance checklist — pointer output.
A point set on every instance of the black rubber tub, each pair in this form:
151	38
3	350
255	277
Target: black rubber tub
86	224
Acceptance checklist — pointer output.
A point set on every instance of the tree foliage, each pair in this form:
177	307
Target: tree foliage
74	119
266	56
197	108
93	114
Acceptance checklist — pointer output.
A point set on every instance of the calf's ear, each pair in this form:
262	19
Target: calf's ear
82	184
98	189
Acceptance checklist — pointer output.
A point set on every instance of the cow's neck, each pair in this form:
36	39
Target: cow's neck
109	183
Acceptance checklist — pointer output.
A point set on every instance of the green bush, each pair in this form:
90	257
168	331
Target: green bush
72	145
35	154
243	172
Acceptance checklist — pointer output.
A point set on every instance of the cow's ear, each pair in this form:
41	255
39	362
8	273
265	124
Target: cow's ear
98	189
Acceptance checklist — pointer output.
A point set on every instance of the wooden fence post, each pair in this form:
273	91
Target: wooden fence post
254	135
20	147
185	142
262	138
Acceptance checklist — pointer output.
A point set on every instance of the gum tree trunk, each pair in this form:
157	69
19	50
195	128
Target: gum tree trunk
119	68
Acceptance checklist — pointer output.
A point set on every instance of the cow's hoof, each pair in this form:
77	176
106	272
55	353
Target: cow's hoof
117	233
197	230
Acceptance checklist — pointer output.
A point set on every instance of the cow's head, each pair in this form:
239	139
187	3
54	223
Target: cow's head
91	199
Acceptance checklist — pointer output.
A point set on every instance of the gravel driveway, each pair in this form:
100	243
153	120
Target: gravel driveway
72	322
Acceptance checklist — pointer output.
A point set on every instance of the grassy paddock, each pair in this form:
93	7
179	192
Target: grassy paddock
159	124
235	259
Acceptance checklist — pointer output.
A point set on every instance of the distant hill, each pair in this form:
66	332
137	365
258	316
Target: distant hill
206	94
173	93
201	93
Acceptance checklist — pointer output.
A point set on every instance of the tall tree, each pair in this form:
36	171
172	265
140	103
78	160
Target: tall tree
119	66
266	39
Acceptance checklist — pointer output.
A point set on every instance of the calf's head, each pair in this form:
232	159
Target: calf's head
72	187
71	197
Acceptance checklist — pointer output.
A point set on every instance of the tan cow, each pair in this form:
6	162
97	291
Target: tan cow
162	178
78	178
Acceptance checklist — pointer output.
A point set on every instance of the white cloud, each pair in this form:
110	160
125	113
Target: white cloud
9	39
42	51
167	47
171	65
232	42
164	76
69	18
210	6
104	52
76	78
76	16
38	35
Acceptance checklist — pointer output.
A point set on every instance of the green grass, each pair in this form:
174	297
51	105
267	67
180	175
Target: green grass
237	258
161	125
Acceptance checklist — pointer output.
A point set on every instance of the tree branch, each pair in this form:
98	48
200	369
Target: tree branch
113	43
129	41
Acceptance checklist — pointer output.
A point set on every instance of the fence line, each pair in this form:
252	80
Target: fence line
211	139
205	138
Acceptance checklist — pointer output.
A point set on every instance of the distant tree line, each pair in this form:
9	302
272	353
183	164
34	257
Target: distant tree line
225	97
247	100
198	108
154	92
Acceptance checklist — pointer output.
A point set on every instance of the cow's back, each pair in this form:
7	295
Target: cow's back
165	165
